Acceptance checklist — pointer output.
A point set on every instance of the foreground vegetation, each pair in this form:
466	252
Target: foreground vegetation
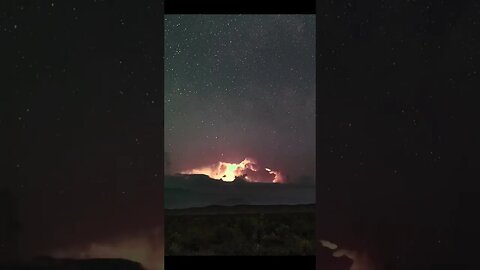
271	233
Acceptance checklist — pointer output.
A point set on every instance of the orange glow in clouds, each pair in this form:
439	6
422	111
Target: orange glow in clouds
248	169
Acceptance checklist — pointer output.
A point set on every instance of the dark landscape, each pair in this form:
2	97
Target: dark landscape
44	263
242	230
205	216
189	191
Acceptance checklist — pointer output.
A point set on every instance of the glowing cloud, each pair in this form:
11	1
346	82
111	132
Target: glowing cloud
328	244
138	249
360	259
247	169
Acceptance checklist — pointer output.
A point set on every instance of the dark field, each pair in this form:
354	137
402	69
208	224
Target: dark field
47	263
241	230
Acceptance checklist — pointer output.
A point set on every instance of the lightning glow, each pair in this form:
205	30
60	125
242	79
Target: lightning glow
248	169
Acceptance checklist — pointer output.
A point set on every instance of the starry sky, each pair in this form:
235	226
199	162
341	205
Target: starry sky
241	86
397	139
82	100
81	119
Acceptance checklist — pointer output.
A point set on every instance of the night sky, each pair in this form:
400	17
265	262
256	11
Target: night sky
397	141
83	104
81	119
241	86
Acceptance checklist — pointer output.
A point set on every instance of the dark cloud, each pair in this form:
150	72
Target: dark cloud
185	191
